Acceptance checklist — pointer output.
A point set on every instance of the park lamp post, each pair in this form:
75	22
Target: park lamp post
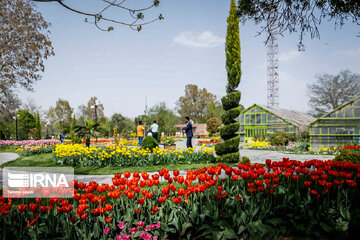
16	126
95	106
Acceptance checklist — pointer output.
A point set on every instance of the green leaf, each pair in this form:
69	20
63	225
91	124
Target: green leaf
230	234
185	226
325	227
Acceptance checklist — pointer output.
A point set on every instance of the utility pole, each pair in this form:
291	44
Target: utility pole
146	112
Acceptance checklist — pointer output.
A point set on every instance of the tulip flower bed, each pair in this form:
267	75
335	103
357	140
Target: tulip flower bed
29	147
108	156
286	198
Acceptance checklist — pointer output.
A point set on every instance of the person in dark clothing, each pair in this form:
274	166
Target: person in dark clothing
189	132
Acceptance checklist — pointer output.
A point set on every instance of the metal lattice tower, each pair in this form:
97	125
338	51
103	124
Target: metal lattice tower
272	64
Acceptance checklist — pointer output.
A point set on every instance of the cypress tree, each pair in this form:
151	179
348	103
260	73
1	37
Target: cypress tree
38	127
72	133
229	149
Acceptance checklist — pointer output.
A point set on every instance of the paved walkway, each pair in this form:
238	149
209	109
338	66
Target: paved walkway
255	156
7	156
259	156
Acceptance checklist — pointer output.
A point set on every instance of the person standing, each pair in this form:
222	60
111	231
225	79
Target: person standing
154	128
140	132
189	132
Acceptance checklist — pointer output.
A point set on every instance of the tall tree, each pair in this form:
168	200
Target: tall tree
229	149
104	13
38	126
87	112
299	16
26	122
60	116
165	118
24	44
195	103
330	92
124	125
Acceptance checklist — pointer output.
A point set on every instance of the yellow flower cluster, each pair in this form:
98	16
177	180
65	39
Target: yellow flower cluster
258	144
109	151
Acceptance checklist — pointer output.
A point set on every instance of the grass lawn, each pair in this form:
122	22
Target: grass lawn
46	160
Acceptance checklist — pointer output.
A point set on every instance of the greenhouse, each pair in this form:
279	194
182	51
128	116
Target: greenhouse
259	121
338	127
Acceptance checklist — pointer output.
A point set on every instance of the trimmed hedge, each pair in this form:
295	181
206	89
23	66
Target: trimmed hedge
231	100
229	116
228	146
150	143
229	131
230	157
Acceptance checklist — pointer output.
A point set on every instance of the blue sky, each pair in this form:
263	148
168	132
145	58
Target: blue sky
123	66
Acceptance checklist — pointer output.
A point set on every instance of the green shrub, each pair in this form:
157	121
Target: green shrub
168	140
231	100
229	146
348	156
150	143
230	157
245	160
229	131
229	116
279	138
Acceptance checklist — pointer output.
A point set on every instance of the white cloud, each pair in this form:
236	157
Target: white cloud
348	53
289	55
205	39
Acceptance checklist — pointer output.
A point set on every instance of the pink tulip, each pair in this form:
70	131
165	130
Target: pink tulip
121	225
133	230
106	230
140	224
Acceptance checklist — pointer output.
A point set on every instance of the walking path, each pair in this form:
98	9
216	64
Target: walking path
255	156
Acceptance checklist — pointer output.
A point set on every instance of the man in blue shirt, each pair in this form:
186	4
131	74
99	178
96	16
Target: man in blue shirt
189	132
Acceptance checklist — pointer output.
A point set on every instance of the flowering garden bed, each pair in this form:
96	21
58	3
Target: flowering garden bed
310	199
29	147
108	156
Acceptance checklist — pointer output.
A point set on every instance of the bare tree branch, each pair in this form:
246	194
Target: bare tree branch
135	25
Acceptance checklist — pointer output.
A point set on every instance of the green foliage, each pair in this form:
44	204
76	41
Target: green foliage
73	137
244	160
231	100
232	50
279	138
212	109
124	124
229	146
229	150
165	118
26	122
195	103
229	131
305	136
230	157
149	143
212	125
348	156
229	116
168	140
87	131
38	127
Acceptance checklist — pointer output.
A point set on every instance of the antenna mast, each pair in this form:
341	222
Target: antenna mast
272	62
